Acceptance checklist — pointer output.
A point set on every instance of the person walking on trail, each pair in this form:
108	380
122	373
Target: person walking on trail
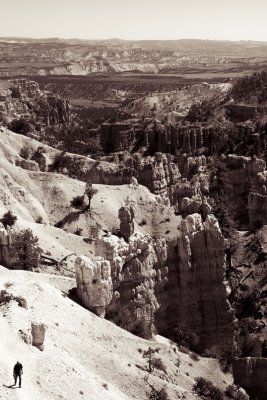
17	372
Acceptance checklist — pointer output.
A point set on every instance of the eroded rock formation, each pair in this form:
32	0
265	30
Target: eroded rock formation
94	283
197	274
38	335
257	200
126	216
250	373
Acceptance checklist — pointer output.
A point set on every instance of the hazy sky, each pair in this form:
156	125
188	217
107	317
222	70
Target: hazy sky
135	19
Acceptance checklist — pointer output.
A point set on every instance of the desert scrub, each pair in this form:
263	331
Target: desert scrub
78	202
8	219
206	390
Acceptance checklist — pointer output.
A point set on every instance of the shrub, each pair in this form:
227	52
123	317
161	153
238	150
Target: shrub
227	354
234	392
249	346
24	250
25	152
156	394
183	336
158	364
78	202
206	390
194	356
60	161
8	219
78	231
143	222
148	354
39	220
248	304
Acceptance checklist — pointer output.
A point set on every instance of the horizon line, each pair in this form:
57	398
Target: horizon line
130	40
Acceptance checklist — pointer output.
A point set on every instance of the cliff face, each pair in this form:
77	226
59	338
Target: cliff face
198	290
241	185
124	278
250	373
153	282
94	284
257	200
159	137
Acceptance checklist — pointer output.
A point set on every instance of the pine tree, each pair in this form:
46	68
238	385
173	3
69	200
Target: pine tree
24	250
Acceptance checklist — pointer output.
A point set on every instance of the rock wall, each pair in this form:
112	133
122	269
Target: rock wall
240	176
94	283
124	276
164	284
38	335
198	296
159	137
250	373
4	243
257	200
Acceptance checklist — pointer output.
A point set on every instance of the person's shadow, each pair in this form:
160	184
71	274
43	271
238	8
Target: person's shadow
11	386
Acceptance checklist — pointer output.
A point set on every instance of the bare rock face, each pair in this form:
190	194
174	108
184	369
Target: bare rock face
197	273
139	275
38	335
29	165
126	216
250	373
4	243
257	201
41	159
159	173
94	283
189	196
242	176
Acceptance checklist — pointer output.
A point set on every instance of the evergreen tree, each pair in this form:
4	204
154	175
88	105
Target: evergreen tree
24	250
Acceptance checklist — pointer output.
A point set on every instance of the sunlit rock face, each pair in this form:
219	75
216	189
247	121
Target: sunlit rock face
38	335
5	258
197	290
124	275
250	372
94	283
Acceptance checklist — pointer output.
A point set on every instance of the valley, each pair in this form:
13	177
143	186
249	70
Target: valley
138	176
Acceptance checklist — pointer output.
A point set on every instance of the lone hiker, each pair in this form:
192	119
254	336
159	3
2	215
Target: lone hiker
17	372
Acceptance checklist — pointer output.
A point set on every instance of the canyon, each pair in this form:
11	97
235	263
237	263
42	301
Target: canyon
172	233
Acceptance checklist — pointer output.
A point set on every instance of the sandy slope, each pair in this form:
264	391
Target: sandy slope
85	357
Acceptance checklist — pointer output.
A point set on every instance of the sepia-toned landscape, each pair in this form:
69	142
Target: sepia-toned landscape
133	219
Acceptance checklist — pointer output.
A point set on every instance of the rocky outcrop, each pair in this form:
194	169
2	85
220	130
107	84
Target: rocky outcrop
257	201
42	160
189	195
250	373
162	284
4	244
126	216
94	283
197	272
25	106
124	276
159	173
155	136
242	175
38	335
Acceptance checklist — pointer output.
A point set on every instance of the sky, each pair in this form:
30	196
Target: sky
135	19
